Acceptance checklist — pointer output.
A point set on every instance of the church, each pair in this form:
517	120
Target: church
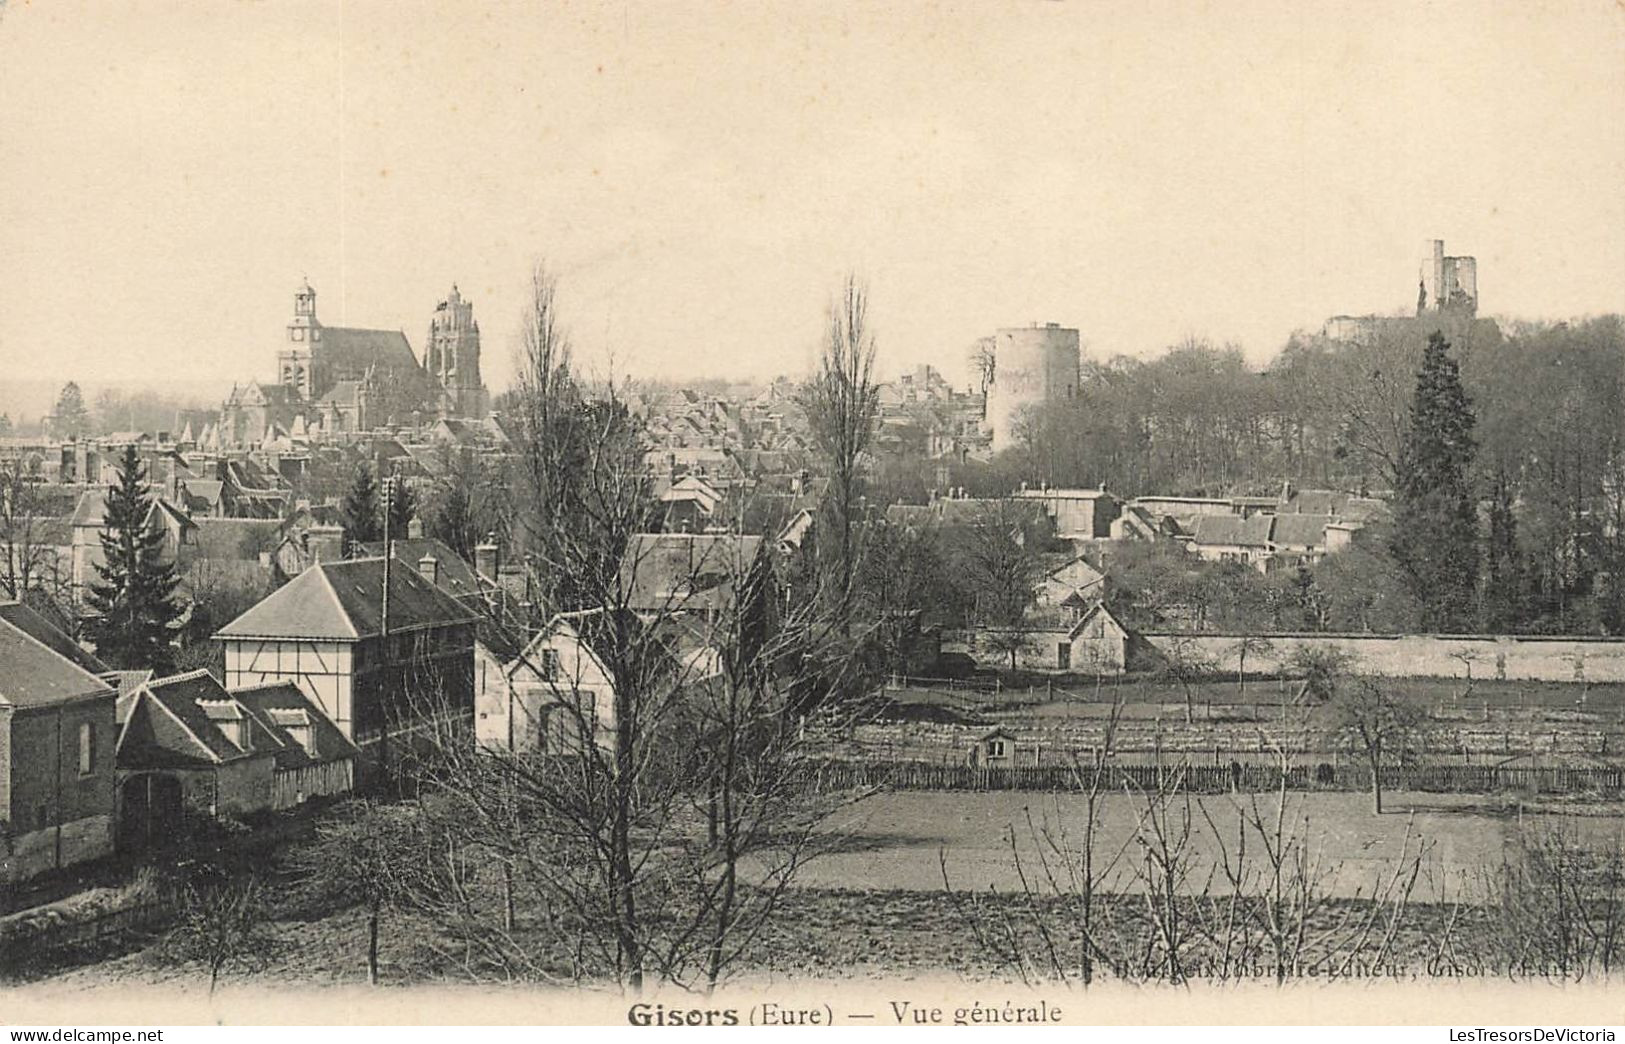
337	379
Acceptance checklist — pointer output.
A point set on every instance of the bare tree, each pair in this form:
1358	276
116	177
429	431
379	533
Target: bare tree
1250	643
1184	661
224	925
668	759
999	564
28	560
842	405
1377	725
373	855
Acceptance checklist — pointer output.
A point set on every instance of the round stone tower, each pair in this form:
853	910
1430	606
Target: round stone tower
1032	365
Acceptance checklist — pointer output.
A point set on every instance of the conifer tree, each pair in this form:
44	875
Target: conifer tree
403	507
134	599
71	416
358	513
1435	537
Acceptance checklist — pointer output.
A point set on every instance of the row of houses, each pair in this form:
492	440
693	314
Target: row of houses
91	757
329	684
1264	533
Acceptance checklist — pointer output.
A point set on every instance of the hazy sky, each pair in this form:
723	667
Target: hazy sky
699	175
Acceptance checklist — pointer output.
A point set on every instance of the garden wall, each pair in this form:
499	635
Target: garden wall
1520	658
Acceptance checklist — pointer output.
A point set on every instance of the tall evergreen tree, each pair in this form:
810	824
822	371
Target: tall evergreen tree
451	515
358	512
71	417
403	507
1435	537
134	599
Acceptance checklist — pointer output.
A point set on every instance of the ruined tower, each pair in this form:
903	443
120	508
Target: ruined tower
1447	284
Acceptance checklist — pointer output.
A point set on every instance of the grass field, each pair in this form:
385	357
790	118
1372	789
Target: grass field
876	905
900	840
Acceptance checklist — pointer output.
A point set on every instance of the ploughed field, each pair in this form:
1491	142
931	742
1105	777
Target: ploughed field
1491	722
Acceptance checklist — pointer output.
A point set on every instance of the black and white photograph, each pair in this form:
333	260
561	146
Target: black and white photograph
707	513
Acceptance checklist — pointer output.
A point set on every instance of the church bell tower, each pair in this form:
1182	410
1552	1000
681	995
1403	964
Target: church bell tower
452	355
296	358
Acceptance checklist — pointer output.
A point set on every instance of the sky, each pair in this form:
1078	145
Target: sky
699	176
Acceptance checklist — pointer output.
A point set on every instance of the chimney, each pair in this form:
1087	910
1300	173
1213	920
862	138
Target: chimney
325	543
429	566
488	560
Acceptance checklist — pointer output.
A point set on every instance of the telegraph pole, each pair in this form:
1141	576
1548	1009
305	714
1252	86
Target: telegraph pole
389	549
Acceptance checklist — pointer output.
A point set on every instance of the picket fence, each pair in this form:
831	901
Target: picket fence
1219	779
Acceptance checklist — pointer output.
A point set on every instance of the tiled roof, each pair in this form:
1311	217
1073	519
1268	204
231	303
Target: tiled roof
344	601
281	706
670	571
1300	530
1232	530
456	576
36	675
42	630
199	703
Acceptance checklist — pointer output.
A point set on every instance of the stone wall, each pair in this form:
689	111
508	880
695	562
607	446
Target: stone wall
1516	658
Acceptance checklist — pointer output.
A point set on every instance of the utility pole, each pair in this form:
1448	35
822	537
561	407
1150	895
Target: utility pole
389	553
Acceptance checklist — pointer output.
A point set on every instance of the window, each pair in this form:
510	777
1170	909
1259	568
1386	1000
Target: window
87	748
1063	655
995	748
550	665
42	815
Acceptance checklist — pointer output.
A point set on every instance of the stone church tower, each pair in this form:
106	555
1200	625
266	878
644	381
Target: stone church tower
452	356
295	360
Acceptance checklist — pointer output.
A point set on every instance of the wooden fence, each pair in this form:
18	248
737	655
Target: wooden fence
1218	779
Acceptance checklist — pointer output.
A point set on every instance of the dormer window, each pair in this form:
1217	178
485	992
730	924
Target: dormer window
296	722
229	718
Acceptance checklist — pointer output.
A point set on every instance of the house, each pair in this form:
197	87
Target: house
1232	538
558	693
693	505
1139	523
178	529
691	573
57	731
1070	588
186	744
1078	514
1097	643
379	649
1301	536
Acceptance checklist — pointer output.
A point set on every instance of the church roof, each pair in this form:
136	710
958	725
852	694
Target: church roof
343	393
349	351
